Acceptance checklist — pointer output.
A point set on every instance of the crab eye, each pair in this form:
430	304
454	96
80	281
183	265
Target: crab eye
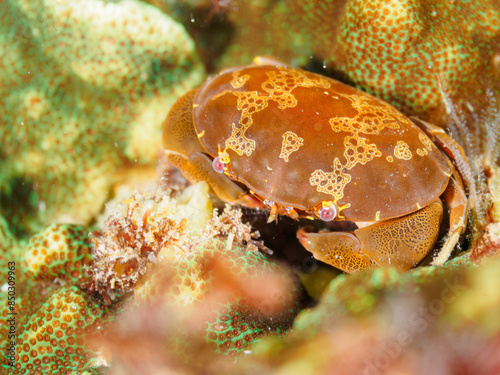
218	165
328	213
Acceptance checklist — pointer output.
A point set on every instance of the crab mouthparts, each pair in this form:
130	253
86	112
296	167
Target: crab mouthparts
273	213
275	210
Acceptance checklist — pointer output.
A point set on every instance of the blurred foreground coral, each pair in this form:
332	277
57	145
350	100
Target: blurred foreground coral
175	254
167	285
195	276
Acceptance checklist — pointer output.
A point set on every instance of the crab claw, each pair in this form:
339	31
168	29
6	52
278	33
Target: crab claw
302	233
339	249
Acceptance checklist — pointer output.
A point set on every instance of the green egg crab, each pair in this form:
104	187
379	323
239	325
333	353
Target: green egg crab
308	146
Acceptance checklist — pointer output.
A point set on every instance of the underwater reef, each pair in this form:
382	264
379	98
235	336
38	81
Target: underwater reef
120	266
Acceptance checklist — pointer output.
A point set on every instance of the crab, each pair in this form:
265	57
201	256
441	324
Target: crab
308	146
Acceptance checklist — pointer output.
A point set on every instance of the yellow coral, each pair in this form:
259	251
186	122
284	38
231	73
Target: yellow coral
83	103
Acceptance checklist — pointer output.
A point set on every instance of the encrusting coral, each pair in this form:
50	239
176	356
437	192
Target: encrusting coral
59	251
53	315
53	338
84	87
410	53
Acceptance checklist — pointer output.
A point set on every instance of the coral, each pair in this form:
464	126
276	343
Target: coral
227	285
6	238
59	251
359	296
246	314
410	52
137	231
52	320
478	304
172	250
382	322
379	321
85	86
52	340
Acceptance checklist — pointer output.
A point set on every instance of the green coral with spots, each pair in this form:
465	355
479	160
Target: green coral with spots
225	284
52	313
84	88
411	53
238	322
59	251
53	339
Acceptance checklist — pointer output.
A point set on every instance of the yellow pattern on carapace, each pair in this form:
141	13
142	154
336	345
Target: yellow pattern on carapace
280	84
425	141
358	150
279	87
402	151
422	151
373	116
238	81
239	142
291	143
332	183
248	103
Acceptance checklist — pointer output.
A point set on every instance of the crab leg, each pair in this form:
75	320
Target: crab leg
456	202
456	153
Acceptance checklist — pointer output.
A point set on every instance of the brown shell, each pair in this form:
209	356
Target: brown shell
299	138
